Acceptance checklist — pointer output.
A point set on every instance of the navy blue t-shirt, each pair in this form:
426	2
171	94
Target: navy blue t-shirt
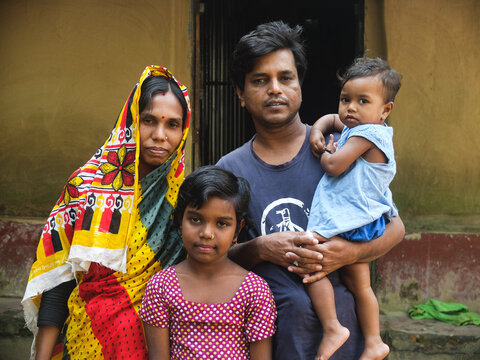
281	200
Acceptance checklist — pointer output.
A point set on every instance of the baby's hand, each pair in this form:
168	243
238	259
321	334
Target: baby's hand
317	142
332	145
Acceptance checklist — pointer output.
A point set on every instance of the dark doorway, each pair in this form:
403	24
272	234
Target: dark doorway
333	31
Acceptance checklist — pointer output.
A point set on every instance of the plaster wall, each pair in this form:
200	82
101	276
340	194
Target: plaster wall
430	266
433	44
67	69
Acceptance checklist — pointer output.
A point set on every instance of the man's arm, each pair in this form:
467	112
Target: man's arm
338	252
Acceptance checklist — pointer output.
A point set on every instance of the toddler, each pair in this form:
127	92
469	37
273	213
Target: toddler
353	199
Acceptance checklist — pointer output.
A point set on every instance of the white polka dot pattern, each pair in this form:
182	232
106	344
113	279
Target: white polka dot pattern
210	331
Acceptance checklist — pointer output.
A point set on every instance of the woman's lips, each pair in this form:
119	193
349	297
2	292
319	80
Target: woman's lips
157	151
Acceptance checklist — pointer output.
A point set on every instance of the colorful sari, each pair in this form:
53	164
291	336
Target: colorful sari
110	232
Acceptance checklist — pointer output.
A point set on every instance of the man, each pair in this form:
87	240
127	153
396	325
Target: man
267	70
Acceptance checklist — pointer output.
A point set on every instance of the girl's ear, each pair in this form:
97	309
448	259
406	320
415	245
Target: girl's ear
387	109
239	228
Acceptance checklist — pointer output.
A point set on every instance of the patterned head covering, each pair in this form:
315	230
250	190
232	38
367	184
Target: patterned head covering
97	211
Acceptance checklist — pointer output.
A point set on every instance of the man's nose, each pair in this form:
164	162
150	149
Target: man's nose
274	87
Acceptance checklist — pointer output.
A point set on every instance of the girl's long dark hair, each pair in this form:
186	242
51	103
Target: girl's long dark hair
212	181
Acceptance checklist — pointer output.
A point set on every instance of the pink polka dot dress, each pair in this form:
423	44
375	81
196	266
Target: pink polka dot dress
210	331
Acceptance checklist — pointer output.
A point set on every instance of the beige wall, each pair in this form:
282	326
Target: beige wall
434	44
67	68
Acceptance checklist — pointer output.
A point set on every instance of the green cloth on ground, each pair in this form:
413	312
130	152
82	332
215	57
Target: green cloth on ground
452	313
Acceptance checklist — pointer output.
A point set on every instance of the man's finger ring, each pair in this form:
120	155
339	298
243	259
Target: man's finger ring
295	263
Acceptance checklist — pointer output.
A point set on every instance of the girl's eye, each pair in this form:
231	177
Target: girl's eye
146	120
344	100
195	220
363	101
222	224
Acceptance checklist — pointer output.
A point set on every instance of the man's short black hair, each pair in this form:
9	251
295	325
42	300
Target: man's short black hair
366	67
265	39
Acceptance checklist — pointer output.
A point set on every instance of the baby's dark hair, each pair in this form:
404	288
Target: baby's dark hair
366	67
263	40
212	181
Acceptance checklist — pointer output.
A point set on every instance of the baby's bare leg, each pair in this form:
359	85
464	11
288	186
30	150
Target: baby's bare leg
334	334
357	279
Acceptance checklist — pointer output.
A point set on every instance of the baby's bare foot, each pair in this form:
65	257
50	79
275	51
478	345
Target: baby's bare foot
375	349
334	335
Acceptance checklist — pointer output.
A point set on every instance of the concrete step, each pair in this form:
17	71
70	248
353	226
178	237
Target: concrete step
408	339
428	339
15	338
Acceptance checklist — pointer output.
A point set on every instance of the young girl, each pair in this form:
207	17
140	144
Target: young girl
353	200
208	307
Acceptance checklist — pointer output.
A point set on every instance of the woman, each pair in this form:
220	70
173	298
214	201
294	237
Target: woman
111	230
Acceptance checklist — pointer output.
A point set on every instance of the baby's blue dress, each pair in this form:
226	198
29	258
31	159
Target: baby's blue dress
357	204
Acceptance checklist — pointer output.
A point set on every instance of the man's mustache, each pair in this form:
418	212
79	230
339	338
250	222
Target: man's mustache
275	99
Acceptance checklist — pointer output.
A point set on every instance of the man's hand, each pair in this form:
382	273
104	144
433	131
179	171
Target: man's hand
312	256
279	248
336	253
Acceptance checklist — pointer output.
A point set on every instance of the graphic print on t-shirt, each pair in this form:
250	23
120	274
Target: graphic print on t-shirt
284	214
